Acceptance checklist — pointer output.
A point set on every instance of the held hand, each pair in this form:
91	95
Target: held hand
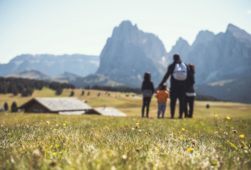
159	86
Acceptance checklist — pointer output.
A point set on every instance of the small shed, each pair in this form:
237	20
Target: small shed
108	111
62	105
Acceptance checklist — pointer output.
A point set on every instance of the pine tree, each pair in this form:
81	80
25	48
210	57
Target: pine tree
14	107
6	106
72	93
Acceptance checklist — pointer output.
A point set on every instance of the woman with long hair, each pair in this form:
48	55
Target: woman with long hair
147	89
190	92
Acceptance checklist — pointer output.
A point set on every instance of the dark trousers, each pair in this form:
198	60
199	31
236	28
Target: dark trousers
189	104
173	98
145	106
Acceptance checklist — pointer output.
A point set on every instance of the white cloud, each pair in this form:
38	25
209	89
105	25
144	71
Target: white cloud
249	12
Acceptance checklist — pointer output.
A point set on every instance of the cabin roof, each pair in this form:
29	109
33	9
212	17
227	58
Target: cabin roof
61	104
109	111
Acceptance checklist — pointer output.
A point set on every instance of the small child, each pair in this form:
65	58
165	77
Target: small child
162	96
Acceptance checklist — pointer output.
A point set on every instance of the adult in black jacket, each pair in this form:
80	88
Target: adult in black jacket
177	88
147	89
190	92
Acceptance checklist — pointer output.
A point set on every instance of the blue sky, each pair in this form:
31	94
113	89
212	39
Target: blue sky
82	26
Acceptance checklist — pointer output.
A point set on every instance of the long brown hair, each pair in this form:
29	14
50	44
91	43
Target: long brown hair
191	68
147	76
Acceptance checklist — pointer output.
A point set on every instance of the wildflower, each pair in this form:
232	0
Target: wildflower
193	142
133	128
228	118
113	167
183	129
189	150
137	125
242	136
124	156
12	160
36	153
48	122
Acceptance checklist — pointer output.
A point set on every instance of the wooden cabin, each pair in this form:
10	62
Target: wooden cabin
62	105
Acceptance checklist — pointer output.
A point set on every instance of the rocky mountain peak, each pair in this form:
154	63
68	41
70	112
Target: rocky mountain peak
203	37
130	52
233	29
238	33
181	42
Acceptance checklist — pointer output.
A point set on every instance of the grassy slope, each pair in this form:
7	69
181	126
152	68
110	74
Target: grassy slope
45	141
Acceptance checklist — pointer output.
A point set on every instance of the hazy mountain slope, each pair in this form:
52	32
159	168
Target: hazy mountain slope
31	74
130	52
52	65
224	58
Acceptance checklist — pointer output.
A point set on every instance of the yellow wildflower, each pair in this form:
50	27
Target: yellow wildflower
183	129
228	118
242	136
189	150
137	125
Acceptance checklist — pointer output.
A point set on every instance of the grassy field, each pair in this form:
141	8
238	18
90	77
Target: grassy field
216	138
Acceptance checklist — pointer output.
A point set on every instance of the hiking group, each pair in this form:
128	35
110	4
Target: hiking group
181	88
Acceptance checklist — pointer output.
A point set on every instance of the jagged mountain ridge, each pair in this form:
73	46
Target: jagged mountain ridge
130	52
219	56
224	57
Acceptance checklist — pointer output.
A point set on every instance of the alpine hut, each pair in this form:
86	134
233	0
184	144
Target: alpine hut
62	105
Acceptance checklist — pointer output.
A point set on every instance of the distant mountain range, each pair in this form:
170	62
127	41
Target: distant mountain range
223	62
217	57
51	65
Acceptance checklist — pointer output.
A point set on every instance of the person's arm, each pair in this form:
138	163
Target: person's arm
152	87
168	73
193	79
142	86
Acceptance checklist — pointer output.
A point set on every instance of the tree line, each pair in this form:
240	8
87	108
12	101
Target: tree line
25	87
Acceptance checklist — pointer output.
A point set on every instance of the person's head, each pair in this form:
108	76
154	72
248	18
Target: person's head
147	76
163	87
191	68
176	58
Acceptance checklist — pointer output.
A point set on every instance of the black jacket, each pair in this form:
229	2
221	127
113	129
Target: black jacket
176	85
147	85
190	82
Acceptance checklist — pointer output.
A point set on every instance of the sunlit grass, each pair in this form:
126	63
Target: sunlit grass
216	138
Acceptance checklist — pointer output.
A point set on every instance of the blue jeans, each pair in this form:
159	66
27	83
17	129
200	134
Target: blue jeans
161	110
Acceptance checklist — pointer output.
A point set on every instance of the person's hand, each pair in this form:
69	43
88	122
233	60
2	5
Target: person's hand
159	86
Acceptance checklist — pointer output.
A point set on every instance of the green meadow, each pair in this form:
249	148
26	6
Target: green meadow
216	138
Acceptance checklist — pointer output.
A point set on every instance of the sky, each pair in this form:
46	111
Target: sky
83	26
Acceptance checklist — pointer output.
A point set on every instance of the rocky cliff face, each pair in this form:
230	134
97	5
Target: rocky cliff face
130	52
223	62
217	57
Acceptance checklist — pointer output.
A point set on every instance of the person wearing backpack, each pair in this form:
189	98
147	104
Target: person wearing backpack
178	73
147	89
190	92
